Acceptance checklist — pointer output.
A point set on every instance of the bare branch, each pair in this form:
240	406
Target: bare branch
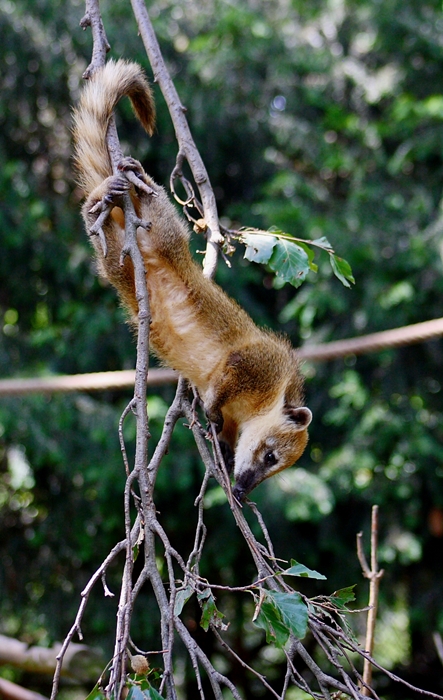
374	575
186	143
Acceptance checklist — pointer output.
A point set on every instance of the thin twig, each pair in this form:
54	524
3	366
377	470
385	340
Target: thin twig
374	575
76	629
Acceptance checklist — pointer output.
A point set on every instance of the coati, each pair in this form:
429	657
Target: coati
248	378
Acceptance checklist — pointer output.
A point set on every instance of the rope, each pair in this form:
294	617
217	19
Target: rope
95	381
416	333
99	381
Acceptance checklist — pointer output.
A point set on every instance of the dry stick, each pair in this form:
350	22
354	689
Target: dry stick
374	575
152	573
347	643
152	526
324	680
118	671
76	629
332	651
150	570
260	676
215	677
200	530
183	134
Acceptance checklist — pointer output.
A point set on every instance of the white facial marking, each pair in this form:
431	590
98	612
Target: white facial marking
254	433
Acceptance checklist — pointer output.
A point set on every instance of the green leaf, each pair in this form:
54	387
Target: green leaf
343	596
259	247
297	569
182	598
311	254
269	619
154	695
135	693
95	693
210	613
149	693
323	243
290	262
342	270
293	611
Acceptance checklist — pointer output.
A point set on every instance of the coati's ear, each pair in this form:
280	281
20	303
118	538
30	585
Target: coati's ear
301	416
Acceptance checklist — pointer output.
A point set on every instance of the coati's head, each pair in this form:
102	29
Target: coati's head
268	444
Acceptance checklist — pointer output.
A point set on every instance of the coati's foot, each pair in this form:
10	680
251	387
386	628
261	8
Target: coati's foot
134	172
99	205
111	192
128	163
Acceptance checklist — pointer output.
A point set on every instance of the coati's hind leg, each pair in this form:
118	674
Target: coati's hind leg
105	223
111	191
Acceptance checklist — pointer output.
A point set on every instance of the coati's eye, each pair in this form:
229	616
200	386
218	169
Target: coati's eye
270	459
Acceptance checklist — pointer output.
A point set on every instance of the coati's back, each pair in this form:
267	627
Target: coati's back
249	379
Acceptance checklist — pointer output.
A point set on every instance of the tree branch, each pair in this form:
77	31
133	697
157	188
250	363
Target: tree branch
187	147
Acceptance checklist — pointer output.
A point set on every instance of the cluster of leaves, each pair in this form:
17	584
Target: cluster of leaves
289	258
280	614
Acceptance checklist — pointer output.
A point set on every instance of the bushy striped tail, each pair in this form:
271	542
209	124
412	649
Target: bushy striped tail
91	118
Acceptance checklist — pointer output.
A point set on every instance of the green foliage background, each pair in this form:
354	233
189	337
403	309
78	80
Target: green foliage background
321	118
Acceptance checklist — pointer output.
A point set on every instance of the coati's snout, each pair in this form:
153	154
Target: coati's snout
257	458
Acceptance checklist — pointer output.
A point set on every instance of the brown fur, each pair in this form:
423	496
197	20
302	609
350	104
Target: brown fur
248	378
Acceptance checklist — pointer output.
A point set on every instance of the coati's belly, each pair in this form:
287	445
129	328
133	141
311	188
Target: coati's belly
176	332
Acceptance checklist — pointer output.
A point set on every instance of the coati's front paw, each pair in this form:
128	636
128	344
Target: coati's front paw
216	417
135	174
228	456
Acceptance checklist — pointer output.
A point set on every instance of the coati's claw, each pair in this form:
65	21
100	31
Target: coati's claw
117	188
96	208
97	230
117	185
147	225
